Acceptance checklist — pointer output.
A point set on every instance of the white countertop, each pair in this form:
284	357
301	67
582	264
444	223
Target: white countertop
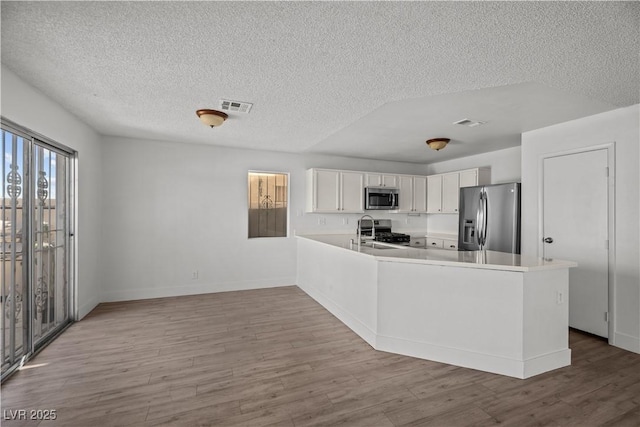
471	259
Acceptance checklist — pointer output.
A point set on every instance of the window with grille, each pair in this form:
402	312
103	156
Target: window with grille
268	204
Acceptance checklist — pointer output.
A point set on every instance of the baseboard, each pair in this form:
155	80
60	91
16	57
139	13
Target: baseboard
344	316
468	359
86	308
200	288
626	342
548	362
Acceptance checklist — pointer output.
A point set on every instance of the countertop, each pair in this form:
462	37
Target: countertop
470	259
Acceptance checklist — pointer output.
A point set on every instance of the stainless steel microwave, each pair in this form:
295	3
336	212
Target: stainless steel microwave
381	198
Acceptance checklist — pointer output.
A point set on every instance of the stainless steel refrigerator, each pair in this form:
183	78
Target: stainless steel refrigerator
490	218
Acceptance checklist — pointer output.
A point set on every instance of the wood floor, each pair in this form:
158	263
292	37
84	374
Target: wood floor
275	357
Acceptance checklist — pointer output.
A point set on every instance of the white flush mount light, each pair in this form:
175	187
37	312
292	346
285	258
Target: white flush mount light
437	143
468	123
211	118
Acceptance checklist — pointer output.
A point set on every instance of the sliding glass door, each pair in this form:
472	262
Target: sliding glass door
50	219
15	243
36	213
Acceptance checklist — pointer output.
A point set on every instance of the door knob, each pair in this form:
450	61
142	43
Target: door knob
548	240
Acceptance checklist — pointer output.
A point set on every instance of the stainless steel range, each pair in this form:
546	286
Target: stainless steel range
383	231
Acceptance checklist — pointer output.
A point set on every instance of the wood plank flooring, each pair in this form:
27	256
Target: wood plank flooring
276	357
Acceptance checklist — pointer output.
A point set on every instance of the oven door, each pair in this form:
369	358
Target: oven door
380	198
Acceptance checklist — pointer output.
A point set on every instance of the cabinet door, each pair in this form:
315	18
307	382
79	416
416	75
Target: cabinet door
380	180
352	192
405	193
468	178
420	194
434	194
326	186
450	244
373	180
390	181
435	243
419	242
450	192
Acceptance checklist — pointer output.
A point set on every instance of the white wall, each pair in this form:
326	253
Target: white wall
622	127
171	208
504	165
31	109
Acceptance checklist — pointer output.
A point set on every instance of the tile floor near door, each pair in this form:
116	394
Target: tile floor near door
276	357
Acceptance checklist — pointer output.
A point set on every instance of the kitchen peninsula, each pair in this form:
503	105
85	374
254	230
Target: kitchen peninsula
485	310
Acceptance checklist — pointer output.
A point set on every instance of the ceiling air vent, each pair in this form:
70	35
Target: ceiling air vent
235	106
469	123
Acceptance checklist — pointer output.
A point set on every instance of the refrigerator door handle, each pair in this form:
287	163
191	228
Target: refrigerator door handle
484	218
479	222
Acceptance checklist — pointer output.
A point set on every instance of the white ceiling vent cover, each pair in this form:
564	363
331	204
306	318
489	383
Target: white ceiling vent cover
469	123
235	106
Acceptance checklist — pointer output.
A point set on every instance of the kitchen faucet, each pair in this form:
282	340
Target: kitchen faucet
373	229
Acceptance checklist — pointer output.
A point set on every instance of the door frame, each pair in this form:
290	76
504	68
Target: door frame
611	195
34	138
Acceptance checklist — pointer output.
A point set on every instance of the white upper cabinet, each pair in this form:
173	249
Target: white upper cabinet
420	193
450	192
442	193
342	191
335	191
444	189
405	193
412	194
468	178
434	194
352	191
472	177
381	180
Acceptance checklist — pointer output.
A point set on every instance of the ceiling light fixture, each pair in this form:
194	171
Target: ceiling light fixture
212	118
438	143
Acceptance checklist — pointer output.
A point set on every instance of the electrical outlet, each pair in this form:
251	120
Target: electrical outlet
322	221
345	221
194	275
559	297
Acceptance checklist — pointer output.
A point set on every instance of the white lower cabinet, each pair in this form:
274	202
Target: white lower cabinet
449	244
435	243
333	191
418	242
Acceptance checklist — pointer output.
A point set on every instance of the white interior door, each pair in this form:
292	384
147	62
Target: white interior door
575	227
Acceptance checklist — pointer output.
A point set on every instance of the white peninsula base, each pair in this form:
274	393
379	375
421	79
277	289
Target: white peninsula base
509	319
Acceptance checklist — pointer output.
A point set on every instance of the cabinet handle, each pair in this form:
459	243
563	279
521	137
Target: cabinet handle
452	246
434	243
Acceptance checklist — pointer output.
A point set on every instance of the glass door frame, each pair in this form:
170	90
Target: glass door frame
32	140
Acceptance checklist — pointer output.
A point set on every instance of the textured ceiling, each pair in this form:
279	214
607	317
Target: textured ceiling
339	77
